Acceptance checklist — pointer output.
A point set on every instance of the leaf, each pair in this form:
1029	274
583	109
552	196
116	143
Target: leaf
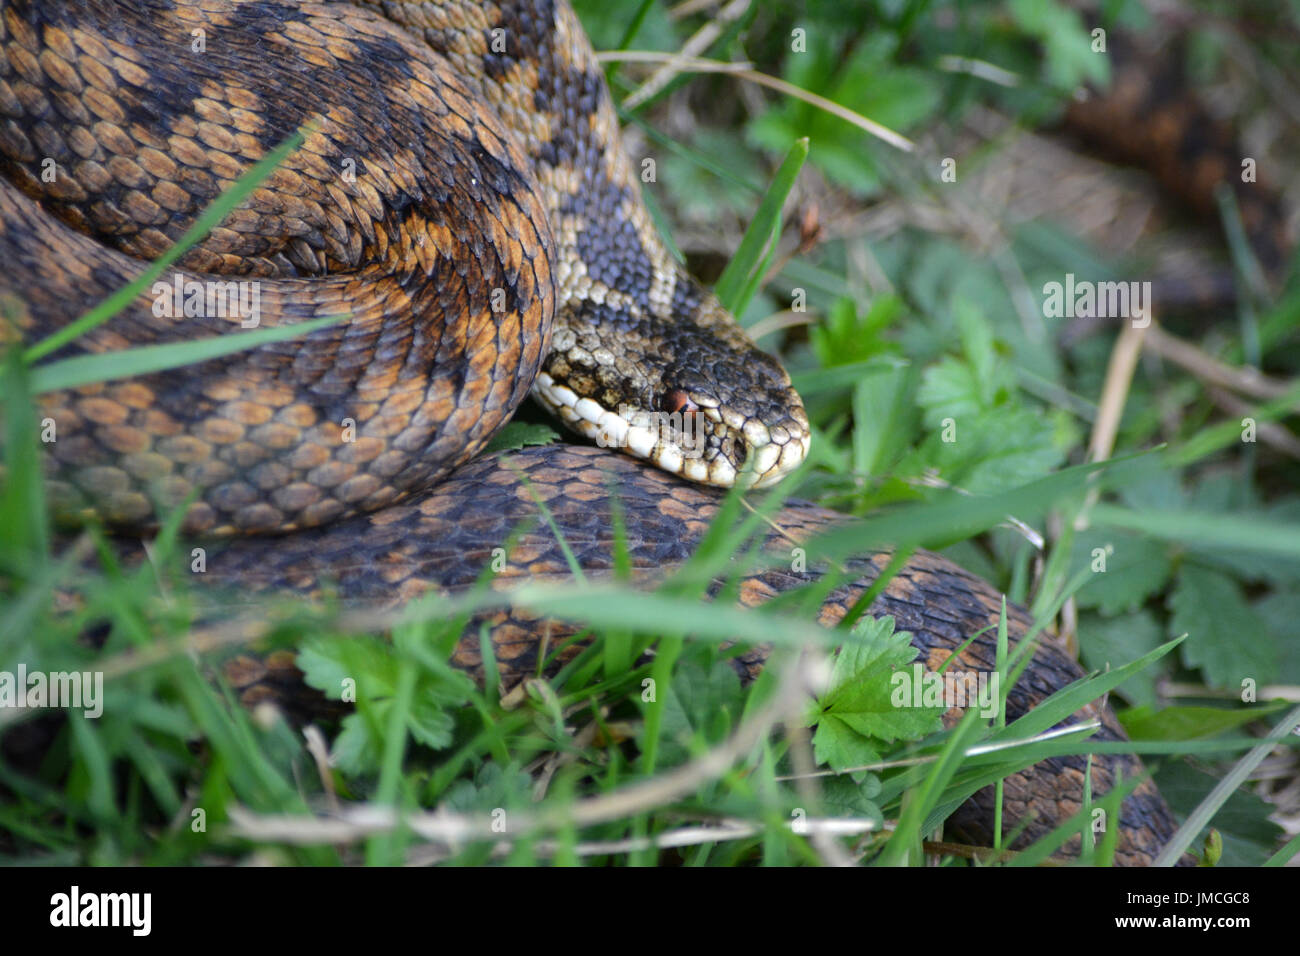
862	707
493	786
979	381
1226	638
1249	836
709	691
1068	57
878	403
375	667
949	389
1189	722
991	451
704	700
516	435
1135	568
843	797
1116	641
867	81
1281	614
843	337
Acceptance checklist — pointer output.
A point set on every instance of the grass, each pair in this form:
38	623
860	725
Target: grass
1174	563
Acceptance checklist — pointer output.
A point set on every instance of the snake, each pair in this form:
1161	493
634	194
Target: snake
462	214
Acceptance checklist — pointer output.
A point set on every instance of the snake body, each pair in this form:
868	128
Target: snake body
462	197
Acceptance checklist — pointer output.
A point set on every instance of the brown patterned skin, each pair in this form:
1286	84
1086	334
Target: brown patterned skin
441	213
462	205
477	171
428	545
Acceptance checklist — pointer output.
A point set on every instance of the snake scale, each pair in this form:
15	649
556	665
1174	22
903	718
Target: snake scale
462	196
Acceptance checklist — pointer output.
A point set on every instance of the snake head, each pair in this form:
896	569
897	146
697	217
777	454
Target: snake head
697	400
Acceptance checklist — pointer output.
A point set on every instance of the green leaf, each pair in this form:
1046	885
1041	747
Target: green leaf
493	786
990	451
1116	641
865	704
1189	722
842	796
1281	615
1135	568
844	337
375	669
516	435
867	81
703	701
878	407
1226	638
1068	57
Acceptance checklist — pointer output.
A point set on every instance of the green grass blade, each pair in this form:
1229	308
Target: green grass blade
1060	705
740	280
1204	530
107	366
910	829
1217	797
208	219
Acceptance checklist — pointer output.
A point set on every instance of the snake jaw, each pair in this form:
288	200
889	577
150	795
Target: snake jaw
697	440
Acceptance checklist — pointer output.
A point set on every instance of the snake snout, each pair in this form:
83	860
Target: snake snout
752	435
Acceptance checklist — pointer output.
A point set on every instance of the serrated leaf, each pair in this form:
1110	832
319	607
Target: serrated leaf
1114	642
516	435
430	724
949	389
493	786
325	668
1226	638
375	668
860	710
993	450
353	750
840	746
1135	568
844	797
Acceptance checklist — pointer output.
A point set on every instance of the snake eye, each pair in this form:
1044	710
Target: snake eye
678	401
686	420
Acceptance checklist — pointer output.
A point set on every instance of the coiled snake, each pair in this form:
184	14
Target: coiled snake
463	197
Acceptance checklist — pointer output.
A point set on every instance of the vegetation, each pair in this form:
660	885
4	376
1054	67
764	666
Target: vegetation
903	304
